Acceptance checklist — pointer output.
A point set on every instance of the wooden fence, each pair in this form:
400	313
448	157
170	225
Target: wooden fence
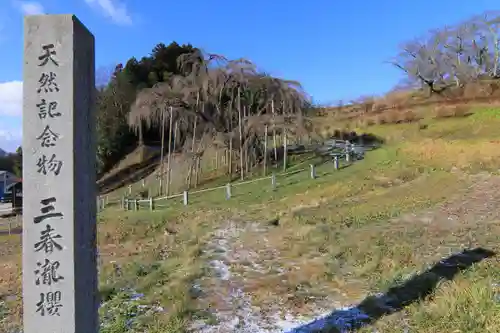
152	203
9	218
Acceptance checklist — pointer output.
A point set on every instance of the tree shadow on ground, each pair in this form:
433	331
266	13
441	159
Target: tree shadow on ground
367	139
396	298
128	175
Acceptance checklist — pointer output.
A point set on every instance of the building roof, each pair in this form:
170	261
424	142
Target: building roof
11	177
12	185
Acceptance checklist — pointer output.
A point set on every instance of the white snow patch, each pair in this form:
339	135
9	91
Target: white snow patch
235	312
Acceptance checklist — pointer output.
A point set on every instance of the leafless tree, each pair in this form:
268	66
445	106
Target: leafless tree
453	56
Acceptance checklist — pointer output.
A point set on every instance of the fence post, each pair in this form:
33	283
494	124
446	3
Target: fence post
347	151
185	198
122	203
313	171
228	191
143	183
130	189
151	207
98	201
336	162
136	204
273	181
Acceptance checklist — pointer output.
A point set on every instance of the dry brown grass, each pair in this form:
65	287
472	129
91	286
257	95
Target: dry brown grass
397	117
450	111
10	277
458	153
486	91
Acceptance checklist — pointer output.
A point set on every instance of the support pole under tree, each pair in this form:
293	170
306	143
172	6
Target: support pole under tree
285	150
265	149
169	157
162	152
59	218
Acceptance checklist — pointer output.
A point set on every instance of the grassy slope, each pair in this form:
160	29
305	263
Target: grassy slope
347	234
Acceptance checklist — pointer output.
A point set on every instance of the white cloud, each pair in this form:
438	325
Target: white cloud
113	9
31	8
10	139
11	98
11	109
11	135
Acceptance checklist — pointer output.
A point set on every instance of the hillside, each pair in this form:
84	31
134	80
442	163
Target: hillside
484	91
364	244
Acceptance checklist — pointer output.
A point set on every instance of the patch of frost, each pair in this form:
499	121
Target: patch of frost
234	312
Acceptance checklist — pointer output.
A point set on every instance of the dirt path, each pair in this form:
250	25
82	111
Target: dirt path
475	204
240	254
232	267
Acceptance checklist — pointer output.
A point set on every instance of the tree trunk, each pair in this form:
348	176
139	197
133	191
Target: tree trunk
197	171
190	171
192	150
169	161
141	137
254	158
246	146
176	134
197	164
194	133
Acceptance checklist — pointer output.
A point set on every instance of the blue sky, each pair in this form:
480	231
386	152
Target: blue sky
336	49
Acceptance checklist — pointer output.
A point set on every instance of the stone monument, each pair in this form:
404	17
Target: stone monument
60	293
